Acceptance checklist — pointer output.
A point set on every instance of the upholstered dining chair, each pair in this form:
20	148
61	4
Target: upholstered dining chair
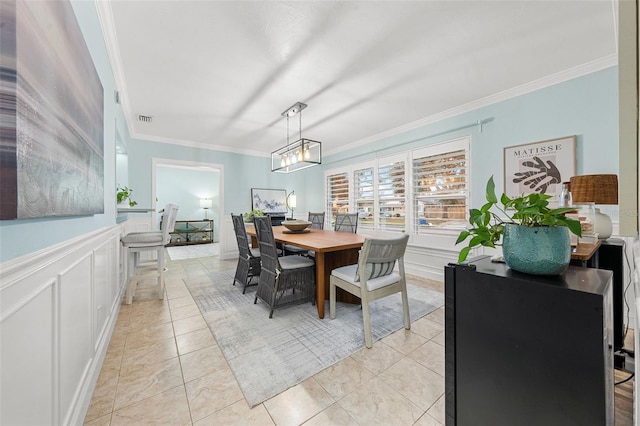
137	242
317	222
249	257
372	278
346	222
283	280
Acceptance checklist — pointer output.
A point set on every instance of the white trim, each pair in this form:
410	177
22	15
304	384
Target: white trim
107	24
560	77
200	145
24	281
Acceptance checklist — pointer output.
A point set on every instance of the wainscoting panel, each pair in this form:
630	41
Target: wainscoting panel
58	308
27	353
76	343
228	243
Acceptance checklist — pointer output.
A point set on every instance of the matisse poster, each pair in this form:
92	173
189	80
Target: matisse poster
539	167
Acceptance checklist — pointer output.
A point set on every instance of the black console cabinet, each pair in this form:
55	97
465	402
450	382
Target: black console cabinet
610	257
528	350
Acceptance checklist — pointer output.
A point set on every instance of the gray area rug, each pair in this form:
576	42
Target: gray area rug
268	356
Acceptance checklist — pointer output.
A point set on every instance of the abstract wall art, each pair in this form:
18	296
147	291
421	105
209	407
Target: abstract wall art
269	200
51	114
539	167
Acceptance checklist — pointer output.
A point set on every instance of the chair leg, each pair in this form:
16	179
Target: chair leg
405	308
131	277
367	324
161	273
332	300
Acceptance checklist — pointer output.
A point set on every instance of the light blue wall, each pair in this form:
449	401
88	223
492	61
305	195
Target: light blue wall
586	107
241	173
20	237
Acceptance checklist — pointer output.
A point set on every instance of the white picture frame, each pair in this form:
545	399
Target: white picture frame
539	167
270	201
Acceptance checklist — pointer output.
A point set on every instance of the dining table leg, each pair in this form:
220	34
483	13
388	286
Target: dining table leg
320	277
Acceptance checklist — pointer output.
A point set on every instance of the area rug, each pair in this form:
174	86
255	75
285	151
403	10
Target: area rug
268	356
193	251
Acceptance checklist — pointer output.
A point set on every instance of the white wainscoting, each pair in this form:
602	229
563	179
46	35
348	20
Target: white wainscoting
228	243
58	308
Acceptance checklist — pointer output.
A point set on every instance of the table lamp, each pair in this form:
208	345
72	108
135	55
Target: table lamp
597	189
206	204
292	202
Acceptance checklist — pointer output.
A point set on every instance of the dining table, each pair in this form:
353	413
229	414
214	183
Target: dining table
333	249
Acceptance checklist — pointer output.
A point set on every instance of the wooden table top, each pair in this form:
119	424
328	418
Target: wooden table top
584	251
319	240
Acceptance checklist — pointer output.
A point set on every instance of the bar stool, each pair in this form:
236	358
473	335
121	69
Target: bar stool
137	242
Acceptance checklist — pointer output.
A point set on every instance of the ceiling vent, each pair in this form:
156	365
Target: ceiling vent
145	118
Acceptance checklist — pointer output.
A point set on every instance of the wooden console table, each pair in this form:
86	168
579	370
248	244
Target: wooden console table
187	232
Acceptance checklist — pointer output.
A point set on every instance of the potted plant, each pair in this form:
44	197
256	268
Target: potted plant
534	237
248	217
123	195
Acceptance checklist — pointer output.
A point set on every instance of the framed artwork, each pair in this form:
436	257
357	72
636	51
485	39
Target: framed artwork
51	114
269	200
539	167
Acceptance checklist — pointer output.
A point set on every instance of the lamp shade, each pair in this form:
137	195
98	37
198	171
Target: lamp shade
292	200
598	189
206	203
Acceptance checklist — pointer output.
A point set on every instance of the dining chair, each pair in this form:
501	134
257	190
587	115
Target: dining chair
317	222
377	259
249	257
346	222
137	242
283	280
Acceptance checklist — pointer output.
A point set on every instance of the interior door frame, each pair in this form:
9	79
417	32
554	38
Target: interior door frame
202	166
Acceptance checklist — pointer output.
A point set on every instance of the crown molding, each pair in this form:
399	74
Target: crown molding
200	145
551	80
105	16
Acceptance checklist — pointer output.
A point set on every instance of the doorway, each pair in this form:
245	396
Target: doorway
198	189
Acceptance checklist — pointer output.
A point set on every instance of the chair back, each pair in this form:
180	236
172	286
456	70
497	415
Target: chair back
169	217
378	256
317	220
346	222
267	244
241	235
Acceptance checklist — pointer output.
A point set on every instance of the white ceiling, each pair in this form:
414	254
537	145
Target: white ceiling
219	73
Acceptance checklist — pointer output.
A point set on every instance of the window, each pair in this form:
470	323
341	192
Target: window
440	187
364	199
337	199
391	196
417	192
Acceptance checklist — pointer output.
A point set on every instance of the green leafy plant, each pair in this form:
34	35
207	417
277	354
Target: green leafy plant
532	209
123	194
248	217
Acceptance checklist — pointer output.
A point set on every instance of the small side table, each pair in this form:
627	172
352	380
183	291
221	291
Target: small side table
586	254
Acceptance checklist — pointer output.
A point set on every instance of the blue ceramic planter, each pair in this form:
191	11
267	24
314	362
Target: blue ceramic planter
539	250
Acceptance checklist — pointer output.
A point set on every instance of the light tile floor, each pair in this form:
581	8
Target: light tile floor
163	367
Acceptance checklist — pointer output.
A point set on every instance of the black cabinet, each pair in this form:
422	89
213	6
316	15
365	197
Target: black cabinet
528	350
610	257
